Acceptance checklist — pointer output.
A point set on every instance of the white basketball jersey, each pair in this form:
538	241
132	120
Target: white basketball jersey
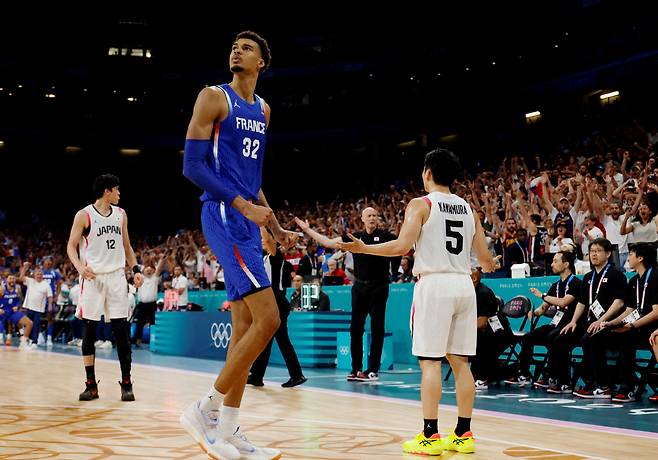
445	241
102	248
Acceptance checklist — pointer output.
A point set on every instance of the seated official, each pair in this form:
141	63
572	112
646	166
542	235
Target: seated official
493	334
562	297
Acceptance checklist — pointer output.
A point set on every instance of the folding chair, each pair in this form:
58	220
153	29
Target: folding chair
517	307
646	372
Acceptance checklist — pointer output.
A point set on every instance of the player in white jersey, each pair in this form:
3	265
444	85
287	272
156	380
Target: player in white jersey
443	314
100	234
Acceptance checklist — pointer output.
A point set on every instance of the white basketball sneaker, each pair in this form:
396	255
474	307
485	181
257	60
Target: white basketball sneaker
203	428
250	451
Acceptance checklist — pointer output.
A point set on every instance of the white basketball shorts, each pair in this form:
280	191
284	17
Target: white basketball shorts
107	295
443	316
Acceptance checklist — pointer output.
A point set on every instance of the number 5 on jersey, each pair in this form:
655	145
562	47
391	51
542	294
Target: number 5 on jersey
250	147
458	246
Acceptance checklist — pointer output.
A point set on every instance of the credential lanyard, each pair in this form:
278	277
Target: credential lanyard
566	289
640	306
599	286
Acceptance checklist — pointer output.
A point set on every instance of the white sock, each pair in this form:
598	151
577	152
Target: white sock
212	400
228	422
23	339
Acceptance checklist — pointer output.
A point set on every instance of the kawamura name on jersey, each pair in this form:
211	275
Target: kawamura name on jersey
450	208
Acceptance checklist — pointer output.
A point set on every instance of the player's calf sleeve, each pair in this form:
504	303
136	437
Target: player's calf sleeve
121	329
88	337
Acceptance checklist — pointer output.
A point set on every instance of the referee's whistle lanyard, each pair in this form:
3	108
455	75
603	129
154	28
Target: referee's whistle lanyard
592	299
640	305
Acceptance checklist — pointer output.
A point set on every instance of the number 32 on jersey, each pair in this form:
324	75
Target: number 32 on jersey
250	147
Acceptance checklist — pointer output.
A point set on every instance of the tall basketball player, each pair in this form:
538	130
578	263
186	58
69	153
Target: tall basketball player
99	247
443	314
224	156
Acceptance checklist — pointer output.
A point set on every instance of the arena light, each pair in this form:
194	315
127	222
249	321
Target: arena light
50	96
131	99
148	54
609	95
2	144
130	152
72	149
534	114
407	144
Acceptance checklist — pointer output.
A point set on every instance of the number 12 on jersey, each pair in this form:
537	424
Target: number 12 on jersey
110	244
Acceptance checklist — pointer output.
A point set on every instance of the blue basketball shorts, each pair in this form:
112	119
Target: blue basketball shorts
236	242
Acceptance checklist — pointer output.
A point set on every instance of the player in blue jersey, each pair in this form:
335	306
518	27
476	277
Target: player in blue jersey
10	302
224	154
55	279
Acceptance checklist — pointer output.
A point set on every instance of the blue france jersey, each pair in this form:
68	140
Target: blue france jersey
238	145
52	276
10	299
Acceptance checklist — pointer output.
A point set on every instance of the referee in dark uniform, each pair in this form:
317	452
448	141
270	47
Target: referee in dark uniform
369	293
274	267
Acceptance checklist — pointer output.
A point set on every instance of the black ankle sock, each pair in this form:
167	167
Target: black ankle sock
463	426
430	427
91	374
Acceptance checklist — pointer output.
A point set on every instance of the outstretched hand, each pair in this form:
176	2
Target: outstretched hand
138	280
355	246
285	238
303	224
491	265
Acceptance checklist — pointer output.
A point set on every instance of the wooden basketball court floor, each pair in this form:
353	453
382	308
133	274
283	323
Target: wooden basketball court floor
40	417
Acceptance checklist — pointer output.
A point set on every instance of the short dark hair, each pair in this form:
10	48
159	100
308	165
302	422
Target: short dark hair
604	243
444	165
262	44
645	250
570	258
535	218
104	182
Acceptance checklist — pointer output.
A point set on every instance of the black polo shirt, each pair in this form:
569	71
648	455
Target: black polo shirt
369	268
487	305
562	288
612	286
636	291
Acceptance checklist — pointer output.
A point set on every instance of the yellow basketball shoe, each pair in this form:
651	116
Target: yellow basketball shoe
424	446
464	444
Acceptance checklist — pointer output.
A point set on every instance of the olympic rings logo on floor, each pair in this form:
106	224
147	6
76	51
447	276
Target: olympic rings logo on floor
221	334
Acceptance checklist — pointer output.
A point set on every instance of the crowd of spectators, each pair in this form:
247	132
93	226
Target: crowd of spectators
530	206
